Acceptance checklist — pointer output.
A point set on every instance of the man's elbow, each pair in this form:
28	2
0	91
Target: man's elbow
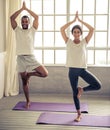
11	17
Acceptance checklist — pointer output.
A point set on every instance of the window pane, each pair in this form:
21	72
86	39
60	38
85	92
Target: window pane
59	21
91	42
38	39
109	43
90	57
38	55
50	46
88	6
60	56
48	6
109	36
100	57
75	5
59	42
48	56
101	22
40	23
60	6
101	6
48	22
101	39
36	6
89	20
48	39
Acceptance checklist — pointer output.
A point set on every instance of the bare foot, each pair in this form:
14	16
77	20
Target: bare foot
27	106
78	118
80	91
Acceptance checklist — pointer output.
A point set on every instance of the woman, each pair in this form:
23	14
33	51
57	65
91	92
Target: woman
76	61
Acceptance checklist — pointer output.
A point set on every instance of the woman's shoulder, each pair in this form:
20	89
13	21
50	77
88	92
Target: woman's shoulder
83	41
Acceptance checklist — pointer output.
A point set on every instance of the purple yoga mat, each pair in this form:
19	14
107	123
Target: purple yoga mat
45	106
68	119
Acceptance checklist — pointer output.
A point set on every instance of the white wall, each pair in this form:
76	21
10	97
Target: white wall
58	82
2	25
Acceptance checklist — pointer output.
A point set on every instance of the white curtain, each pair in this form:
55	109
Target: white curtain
11	76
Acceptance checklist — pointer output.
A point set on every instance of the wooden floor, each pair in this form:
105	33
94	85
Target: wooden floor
26	120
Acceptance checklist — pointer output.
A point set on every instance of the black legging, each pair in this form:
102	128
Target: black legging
74	74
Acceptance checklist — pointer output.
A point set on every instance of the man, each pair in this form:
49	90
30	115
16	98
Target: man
27	64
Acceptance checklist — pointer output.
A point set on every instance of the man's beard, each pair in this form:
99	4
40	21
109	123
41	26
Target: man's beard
25	26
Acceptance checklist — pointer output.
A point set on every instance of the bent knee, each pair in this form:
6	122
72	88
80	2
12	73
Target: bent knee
45	74
99	86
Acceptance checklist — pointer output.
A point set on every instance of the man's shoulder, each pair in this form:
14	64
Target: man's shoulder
17	28
32	28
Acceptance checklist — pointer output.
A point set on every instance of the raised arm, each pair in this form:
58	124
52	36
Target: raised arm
13	18
63	29
91	29
35	16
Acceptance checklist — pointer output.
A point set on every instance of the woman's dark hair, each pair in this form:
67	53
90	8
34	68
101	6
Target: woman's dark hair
76	27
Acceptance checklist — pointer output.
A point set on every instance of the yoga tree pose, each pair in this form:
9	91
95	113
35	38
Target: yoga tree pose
27	63
76	61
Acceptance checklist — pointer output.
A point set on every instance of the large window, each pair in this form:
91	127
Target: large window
50	48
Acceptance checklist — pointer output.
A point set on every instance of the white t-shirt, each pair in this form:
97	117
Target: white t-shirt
24	40
76	54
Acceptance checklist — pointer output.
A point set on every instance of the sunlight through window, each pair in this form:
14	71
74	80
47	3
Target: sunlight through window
49	45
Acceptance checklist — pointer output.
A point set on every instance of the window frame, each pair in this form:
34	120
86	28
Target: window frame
68	16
